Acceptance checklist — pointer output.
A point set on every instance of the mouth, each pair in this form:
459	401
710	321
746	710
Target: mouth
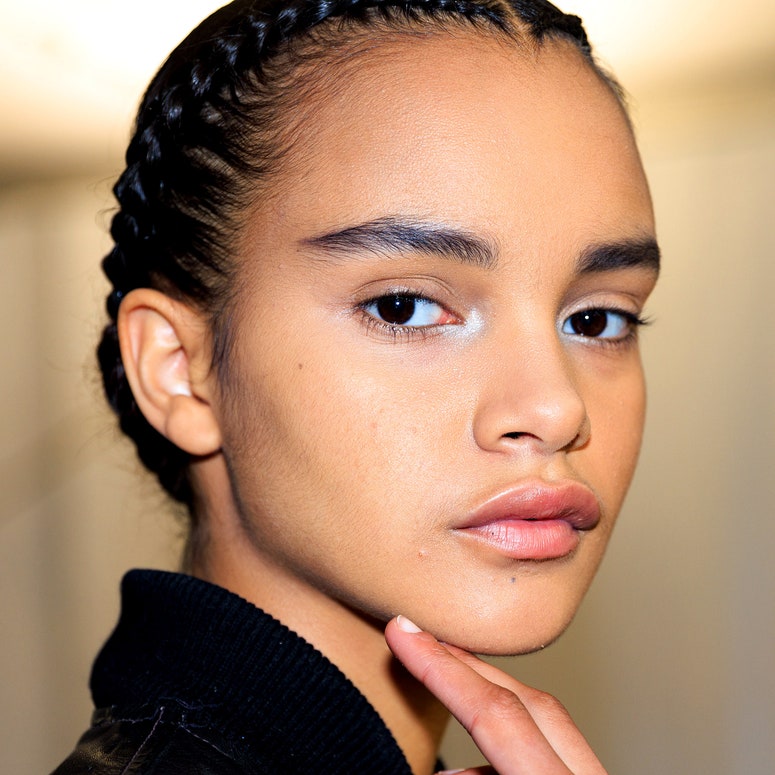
535	521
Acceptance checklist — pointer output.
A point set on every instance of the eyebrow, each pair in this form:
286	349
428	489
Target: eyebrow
392	236
620	255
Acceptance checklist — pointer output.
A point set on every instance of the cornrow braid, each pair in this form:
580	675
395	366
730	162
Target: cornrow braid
207	137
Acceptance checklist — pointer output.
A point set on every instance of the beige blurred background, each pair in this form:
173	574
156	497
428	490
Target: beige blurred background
670	666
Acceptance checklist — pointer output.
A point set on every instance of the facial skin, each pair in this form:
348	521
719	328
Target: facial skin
337	458
355	449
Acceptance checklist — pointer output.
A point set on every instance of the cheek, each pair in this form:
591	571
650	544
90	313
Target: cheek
329	436
616	417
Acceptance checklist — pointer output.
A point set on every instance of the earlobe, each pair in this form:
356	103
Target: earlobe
165	351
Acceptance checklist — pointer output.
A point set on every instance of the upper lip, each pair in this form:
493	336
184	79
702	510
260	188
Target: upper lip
537	500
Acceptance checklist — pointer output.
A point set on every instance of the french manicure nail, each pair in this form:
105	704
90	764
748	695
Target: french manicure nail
407	625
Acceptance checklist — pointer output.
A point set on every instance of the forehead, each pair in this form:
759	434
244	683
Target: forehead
522	142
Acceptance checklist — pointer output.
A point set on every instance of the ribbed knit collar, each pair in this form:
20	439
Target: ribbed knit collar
259	686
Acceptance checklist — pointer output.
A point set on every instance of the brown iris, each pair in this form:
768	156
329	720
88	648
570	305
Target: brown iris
589	323
396	310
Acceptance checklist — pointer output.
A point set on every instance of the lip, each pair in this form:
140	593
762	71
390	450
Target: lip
535	521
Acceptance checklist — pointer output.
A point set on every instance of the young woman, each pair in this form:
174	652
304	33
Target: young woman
378	273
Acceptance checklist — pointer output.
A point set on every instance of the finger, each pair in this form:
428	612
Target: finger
547	711
494	716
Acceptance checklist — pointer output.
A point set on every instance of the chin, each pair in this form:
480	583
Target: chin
508	625
504	646
513	648
511	634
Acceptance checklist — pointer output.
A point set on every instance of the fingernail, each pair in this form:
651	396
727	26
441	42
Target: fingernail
450	772
407	625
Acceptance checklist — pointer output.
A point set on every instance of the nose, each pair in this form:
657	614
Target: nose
529	398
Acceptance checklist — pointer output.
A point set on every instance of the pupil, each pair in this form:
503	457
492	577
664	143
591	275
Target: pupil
396	310
590	323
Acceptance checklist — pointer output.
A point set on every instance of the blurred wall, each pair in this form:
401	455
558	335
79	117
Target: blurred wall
668	667
70	521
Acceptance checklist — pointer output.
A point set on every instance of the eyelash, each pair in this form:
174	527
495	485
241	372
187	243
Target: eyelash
401	331
631	320
407	333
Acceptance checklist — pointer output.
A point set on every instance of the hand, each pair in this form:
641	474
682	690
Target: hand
520	730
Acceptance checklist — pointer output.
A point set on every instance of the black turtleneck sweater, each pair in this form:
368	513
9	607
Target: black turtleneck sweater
196	680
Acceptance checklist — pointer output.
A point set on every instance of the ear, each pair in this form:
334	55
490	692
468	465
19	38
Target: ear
165	348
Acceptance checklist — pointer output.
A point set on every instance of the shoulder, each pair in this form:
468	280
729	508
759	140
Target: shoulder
150	744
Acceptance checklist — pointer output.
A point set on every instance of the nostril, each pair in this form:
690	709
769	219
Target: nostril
515	435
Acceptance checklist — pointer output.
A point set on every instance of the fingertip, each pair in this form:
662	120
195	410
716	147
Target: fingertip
402	634
406	625
410	643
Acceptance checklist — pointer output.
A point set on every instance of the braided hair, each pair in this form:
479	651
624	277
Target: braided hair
208	136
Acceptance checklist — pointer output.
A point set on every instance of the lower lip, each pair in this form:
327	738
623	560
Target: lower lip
521	539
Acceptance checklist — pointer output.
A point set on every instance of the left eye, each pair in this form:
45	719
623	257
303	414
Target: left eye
599	324
405	310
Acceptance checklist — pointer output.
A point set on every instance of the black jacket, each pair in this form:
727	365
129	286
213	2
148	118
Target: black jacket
196	680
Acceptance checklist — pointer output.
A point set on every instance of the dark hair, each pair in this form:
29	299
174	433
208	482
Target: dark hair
209	134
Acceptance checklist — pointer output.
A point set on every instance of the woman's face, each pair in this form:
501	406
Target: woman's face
435	398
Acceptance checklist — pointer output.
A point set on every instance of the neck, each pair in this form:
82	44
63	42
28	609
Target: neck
352	641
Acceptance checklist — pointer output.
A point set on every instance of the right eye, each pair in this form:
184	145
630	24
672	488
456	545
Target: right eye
403	310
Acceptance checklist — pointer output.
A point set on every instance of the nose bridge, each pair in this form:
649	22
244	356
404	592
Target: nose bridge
531	394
